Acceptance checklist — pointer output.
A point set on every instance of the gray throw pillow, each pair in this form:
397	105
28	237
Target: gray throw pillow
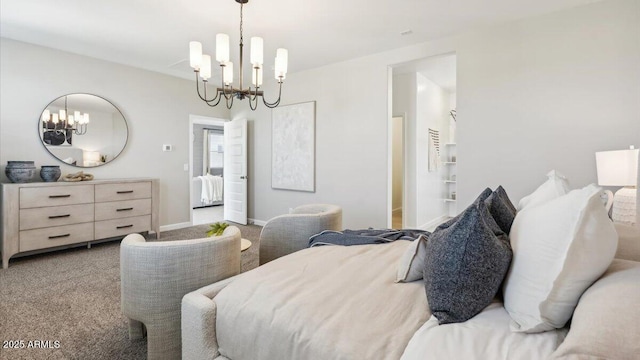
465	265
501	209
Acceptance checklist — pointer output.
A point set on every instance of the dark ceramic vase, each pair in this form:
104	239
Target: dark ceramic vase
50	173
20	171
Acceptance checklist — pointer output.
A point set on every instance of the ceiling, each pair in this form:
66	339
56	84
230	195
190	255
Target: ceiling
154	34
440	69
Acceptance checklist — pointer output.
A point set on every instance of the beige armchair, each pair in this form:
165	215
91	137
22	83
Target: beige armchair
288	233
156	275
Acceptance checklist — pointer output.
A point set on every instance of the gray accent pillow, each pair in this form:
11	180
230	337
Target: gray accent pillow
501	209
465	265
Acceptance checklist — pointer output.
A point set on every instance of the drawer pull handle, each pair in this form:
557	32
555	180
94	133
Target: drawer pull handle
59	196
124	209
59	216
59	236
124	226
125	192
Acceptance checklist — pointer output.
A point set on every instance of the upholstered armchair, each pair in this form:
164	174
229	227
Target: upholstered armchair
288	233
156	275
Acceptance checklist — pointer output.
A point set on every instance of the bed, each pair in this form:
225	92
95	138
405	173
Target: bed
344	302
197	194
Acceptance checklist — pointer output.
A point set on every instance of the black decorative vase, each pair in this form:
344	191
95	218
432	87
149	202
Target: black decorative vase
20	171
50	173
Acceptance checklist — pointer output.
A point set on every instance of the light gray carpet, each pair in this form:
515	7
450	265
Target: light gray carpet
73	296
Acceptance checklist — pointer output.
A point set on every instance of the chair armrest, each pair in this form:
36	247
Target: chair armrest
199	313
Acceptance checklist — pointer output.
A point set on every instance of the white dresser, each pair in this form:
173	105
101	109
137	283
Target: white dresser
38	216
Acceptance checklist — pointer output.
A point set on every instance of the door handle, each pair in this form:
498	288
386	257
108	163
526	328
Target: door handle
244	177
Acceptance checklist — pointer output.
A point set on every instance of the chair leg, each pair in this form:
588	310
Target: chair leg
136	330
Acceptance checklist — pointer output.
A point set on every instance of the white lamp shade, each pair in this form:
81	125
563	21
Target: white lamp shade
46	115
54	118
86	118
228	73
195	54
63	114
257	55
617	168
76	114
222	48
205	67
256	77
282	60
71	120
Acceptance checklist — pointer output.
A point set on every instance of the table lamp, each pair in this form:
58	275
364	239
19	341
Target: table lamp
620	168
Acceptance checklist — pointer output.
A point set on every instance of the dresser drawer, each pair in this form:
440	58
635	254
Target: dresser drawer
122	209
55	196
120	227
55	236
123	191
47	217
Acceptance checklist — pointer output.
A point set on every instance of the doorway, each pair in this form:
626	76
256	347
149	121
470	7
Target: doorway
206	170
397	169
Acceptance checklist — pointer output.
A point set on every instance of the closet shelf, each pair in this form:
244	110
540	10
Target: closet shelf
449	200
448	162
450	181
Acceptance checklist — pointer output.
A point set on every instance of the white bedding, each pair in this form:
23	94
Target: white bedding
328	302
485	336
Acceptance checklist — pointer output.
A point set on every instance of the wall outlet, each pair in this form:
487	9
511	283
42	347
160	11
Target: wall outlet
185	167
167	147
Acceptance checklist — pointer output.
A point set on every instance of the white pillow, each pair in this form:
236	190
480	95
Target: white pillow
555	186
559	249
412	261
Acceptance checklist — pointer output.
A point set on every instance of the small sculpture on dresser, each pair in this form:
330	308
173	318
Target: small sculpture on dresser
50	173
79	176
20	171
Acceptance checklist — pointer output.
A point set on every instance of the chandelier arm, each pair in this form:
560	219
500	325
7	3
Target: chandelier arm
218	97
204	98
253	102
275	103
229	103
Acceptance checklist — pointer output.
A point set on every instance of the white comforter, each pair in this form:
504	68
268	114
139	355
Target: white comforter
328	302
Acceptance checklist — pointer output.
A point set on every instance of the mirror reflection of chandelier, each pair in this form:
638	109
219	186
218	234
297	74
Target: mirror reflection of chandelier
202	65
64	121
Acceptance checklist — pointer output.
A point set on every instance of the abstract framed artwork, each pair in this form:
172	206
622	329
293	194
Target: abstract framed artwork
293	147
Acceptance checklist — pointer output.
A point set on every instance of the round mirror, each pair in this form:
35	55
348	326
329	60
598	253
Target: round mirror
83	130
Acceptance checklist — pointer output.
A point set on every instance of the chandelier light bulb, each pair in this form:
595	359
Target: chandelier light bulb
46	115
195	54
256	81
63	114
71	120
222	48
228	73
86	118
257	54
205	67
54	118
281	63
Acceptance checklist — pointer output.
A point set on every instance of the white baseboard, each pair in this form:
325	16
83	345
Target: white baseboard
257	222
434	223
175	226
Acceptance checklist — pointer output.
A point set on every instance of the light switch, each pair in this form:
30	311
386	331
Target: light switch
186	167
167	147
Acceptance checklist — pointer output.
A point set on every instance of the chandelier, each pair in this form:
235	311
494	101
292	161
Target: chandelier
202	65
63	121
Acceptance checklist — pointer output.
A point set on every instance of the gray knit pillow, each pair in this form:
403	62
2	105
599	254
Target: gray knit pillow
465	265
501	209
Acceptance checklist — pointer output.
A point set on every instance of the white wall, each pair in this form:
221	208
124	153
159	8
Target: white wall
432	108
532	95
547	93
404	102
156	107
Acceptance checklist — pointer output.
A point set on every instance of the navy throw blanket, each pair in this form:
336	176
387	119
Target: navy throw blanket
363	237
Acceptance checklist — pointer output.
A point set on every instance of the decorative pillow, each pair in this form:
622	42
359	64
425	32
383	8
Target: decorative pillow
412	261
482	197
606	322
465	264
559	249
501	209
555	186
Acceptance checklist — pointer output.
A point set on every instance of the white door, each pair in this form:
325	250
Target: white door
235	171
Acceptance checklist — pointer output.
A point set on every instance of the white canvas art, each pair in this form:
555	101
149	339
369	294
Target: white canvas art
293	147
